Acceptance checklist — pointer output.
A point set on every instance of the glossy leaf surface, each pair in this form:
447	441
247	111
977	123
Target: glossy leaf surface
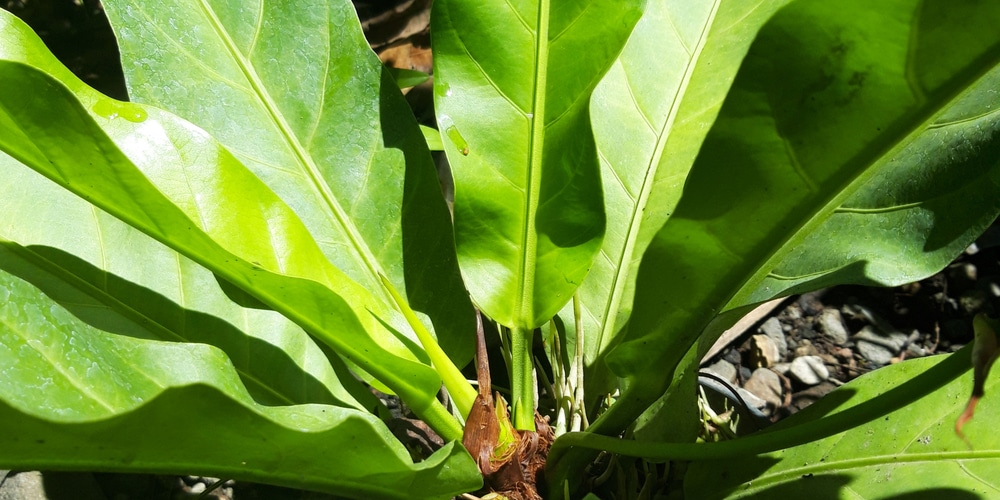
117	279
511	95
294	92
79	398
179	186
912	451
881	118
650	114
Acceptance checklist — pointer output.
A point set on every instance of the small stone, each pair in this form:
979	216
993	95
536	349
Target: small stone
805	348
894	342
809	370
198	488
767	385
808	396
964	273
774	331
831	323
763	351
844	353
724	370
733	356
874	353
810	304
23	486
751	399
914	351
793	312
972	301
744	373
781	368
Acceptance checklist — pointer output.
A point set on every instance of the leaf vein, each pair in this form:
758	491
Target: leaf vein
635	102
569	26
517	14
960	121
197	61
486	75
680	38
311	136
302	156
615	175
877	210
961	465
258	26
76	381
628	247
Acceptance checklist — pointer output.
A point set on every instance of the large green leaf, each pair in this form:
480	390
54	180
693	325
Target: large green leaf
119	280
869	126
650	114
512	86
167	178
935	191
78	398
292	89
912	451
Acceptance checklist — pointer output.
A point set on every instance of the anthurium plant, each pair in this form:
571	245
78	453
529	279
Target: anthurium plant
211	277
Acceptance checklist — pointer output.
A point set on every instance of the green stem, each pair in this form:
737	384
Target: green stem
777	438
440	419
462	393
522	379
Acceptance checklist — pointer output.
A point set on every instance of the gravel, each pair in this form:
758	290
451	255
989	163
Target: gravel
809	370
818	341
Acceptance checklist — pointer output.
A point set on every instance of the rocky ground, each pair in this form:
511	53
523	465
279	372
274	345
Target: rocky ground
806	347
813	343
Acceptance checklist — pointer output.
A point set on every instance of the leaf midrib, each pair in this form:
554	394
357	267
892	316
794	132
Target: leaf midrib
529	237
623	269
303	156
882	459
923	121
112	303
75	380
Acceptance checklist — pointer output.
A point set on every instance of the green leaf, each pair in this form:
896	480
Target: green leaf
296	94
650	114
511	94
878	121
407	78
899	454
932	190
433	138
82	399
781	436
117	279
203	203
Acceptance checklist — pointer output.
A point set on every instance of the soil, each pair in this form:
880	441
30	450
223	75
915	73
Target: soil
919	319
